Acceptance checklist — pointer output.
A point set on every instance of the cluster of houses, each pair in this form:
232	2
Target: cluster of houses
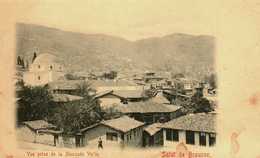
145	121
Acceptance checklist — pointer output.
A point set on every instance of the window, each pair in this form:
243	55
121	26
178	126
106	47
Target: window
51	67
122	137
157	118
39	66
190	138
168	134
175	135
124	101
172	135
111	136
212	139
148	119
203	139
39	77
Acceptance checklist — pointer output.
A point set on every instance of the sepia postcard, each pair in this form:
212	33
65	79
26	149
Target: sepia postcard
132	78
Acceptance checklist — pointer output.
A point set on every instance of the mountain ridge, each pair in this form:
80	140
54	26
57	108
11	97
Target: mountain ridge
178	52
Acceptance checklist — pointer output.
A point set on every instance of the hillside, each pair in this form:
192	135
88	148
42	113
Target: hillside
193	55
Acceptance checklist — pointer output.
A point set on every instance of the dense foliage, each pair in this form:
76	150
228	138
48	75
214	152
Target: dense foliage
197	104
73	116
33	103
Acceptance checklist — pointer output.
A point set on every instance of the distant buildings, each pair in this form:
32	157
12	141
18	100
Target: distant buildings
145	120
186	86
65	86
115	85
45	68
111	98
150	112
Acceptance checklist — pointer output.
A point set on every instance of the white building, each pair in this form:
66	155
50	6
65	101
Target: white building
192	129
45	68
120	132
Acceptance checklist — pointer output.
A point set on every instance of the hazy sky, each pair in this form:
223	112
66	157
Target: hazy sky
131	19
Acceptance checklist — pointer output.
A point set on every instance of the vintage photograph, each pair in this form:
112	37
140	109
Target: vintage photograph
77	90
132	78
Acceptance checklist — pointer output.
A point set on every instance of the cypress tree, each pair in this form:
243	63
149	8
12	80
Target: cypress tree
34	56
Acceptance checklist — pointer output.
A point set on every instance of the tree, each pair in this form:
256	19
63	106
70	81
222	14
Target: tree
18	60
197	104
34	56
178	75
111	112
22	63
110	75
75	115
27	64
84	89
69	76
33	103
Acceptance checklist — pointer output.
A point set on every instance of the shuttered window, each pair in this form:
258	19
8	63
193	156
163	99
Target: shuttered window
111	136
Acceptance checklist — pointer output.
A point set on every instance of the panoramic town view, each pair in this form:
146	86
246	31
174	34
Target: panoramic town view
98	91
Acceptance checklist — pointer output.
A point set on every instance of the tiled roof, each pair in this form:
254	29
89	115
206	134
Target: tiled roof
129	93
39	124
123	123
111	83
194	122
146	107
153	128
122	93
65	97
101	94
159	98
65	84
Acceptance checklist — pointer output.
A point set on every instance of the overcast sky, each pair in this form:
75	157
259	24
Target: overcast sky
131	19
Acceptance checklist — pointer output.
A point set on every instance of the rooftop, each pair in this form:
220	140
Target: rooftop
129	93
122	93
153	128
65	84
193	122
159	98
45	58
111	83
103	93
65	97
123	123
147	107
39	124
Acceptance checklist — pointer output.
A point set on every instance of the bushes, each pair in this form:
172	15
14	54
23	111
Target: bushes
33	103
